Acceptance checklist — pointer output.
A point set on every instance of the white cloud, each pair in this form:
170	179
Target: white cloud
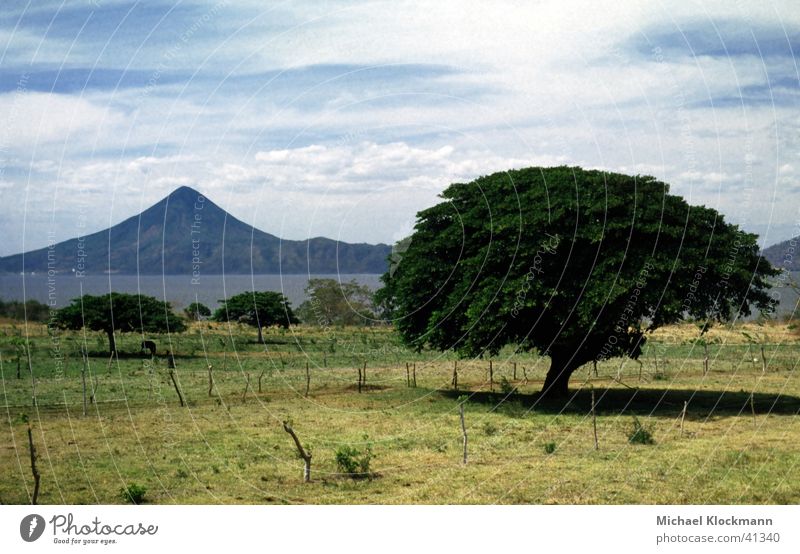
28	119
533	83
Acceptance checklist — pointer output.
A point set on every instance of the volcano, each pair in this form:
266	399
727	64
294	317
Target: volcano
186	233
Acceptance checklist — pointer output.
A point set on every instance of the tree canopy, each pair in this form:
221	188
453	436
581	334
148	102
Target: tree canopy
197	311
259	309
331	302
119	312
578	265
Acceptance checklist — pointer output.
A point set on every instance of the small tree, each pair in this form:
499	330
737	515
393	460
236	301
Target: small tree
122	312
197	311
259	309
332	302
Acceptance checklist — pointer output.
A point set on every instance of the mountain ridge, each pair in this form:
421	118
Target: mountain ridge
784	255
186	233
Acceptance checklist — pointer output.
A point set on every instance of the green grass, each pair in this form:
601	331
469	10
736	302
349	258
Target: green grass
230	447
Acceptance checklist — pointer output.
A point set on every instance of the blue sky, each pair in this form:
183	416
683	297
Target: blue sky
344	119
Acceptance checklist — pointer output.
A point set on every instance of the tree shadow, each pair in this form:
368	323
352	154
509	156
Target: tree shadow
137	355
701	404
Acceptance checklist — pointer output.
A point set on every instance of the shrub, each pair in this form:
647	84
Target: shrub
549	447
639	434
506	386
489	428
353	462
133	493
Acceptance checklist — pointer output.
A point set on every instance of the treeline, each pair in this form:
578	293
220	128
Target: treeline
329	303
30	310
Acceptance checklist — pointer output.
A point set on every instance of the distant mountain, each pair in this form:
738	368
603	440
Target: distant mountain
185	233
784	255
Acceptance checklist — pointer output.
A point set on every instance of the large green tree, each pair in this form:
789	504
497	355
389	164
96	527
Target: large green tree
577	265
332	302
259	309
119	312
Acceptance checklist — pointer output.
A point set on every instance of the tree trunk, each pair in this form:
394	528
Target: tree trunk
557	380
112	343
260	335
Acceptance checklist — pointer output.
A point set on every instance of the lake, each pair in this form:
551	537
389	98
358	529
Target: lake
177	289
180	291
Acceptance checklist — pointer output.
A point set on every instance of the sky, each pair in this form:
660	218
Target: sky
344	119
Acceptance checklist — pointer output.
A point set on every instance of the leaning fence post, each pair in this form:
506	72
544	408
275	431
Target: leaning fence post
306	456
177	388
463	429
683	414
594	422
36	476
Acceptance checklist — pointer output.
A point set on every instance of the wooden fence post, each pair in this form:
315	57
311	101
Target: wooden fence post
491	377
308	379
246	387
594	422
34	469
463	431
683	414
414	374
177	389
455	375
83	378
306	456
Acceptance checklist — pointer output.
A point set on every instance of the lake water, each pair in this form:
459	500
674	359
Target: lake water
181	292
174	288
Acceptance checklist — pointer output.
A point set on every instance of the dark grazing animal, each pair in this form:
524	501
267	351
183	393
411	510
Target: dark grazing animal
149	345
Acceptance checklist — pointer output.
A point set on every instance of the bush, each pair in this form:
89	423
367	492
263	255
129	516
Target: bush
489	428
353	462
133	493
639	434
506	386
549	447
30	310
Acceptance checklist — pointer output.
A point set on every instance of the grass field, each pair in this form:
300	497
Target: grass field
230	447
